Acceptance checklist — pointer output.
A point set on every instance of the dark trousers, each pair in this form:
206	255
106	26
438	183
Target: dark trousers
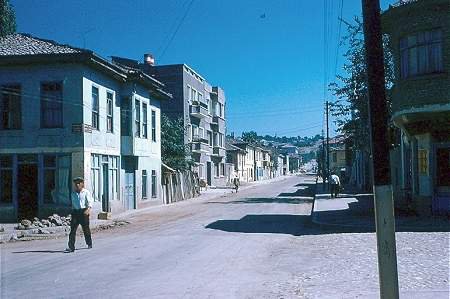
334	190
78	218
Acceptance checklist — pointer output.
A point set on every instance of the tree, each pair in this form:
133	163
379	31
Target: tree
7	18
351	106
251	137
174	152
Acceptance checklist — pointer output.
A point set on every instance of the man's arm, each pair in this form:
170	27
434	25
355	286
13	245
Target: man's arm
89	202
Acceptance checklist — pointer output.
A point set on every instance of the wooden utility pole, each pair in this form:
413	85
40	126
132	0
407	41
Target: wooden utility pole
328	145
384	205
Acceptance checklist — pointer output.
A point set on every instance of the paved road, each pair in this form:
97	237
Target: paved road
258	243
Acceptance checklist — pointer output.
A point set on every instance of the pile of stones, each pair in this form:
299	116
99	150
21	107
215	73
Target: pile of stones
41	224
115	223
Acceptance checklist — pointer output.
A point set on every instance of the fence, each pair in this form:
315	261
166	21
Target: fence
178	186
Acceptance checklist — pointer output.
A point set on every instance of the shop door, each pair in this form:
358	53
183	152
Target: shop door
27	191
441	199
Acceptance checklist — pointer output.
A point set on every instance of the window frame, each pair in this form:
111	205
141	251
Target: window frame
109	112
144	184
144	121
95	108
137	118
154	139
154	184
15	106
45	108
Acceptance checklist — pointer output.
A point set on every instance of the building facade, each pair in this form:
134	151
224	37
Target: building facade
67	112
202	108
419	34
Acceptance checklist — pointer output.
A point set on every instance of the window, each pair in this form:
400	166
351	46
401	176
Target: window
222	169
210	139
144	184
220	139
51	105
423	161
188	92
200	97
57	184
210	106
10	108
217	109
137	118
113	177
194	132
215	139
154	181
216	169
6	175
144	121
95	177
153	126
125	119
193	95
95	109
201	133
109	111
421	53
334	157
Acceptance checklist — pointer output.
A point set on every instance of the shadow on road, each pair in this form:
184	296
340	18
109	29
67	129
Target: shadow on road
282	200
45	251
296	225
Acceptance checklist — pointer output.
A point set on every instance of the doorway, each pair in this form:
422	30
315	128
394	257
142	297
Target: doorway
129	191
27	191
105	189
441	198
208	173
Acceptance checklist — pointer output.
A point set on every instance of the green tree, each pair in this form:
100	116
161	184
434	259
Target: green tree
351	107
7	18
251	137
174	153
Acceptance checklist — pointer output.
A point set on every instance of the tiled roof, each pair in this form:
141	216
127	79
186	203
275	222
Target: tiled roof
24	44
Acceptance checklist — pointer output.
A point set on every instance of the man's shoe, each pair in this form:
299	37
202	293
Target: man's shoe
68	250
89	246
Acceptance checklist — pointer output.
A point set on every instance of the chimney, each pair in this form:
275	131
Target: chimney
149	60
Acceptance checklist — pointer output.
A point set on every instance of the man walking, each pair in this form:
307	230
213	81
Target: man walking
81	208
335	185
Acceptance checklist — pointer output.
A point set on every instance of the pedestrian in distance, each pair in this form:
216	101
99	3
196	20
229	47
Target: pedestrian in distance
81	209
335	185
236	183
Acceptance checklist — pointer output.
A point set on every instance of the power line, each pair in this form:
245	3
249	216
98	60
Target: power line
178	28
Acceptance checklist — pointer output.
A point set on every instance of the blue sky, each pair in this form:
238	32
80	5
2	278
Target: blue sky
267	55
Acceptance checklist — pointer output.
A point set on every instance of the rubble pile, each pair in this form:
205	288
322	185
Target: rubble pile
40	225
115	223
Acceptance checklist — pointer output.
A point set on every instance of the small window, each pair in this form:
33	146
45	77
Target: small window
109	111
51	105
144	121
11	108
154	184
153	126
144	184
95	109
137	118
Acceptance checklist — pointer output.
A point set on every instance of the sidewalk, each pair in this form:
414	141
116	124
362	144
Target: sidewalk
9	232
355	211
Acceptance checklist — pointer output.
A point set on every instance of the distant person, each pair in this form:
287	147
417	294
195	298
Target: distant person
81	209
236	183
335	185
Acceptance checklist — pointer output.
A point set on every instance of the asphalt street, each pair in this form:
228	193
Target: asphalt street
258	243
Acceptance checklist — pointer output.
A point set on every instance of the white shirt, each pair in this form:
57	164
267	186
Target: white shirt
82	200
335	179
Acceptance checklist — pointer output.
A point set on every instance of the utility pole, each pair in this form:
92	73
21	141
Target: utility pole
328	145
384	205
323	160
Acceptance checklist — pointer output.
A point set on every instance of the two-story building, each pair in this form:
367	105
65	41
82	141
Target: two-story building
419	34
237	156
67	112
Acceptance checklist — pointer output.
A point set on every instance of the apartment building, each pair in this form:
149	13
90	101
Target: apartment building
202	108
67	112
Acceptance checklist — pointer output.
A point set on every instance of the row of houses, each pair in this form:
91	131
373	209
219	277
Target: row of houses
68	112
254	162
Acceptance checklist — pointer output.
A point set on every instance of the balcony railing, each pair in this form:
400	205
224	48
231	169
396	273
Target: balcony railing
219	151
199	147
198	111
218	121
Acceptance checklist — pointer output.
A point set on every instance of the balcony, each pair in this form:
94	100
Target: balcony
219	152
199	148
198	111
218	122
